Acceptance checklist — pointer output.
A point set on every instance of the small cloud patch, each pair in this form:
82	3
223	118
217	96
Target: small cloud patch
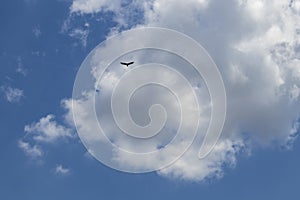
12	95
61	170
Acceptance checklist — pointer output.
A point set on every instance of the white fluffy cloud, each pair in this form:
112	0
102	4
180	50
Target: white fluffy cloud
256	45
48	130
12	95
45	131
190	168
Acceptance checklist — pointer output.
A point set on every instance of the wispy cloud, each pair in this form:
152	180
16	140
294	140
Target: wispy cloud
12	95
37	32
61	170
20	68
33	151
81	35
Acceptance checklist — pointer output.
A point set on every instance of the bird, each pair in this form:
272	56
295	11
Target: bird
127	64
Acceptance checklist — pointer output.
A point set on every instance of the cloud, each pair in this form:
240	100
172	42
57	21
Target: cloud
33	151
60	170
45	131
256	46
20	69
126	13
48	130
189	168
12	95
81	35
93	6
37	32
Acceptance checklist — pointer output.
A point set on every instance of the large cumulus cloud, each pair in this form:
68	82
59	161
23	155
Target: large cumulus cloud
255	44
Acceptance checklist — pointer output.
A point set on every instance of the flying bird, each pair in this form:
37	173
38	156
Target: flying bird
127	64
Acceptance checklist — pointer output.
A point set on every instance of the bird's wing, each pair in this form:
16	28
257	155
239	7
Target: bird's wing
122	63
130	63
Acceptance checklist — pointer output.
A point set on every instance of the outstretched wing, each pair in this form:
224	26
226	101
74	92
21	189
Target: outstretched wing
130	63
122	63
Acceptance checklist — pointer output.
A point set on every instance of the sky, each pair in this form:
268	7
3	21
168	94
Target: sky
45	155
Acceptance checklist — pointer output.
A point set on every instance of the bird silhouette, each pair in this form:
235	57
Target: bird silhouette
127	64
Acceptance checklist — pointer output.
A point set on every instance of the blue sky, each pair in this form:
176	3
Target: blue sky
42	45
